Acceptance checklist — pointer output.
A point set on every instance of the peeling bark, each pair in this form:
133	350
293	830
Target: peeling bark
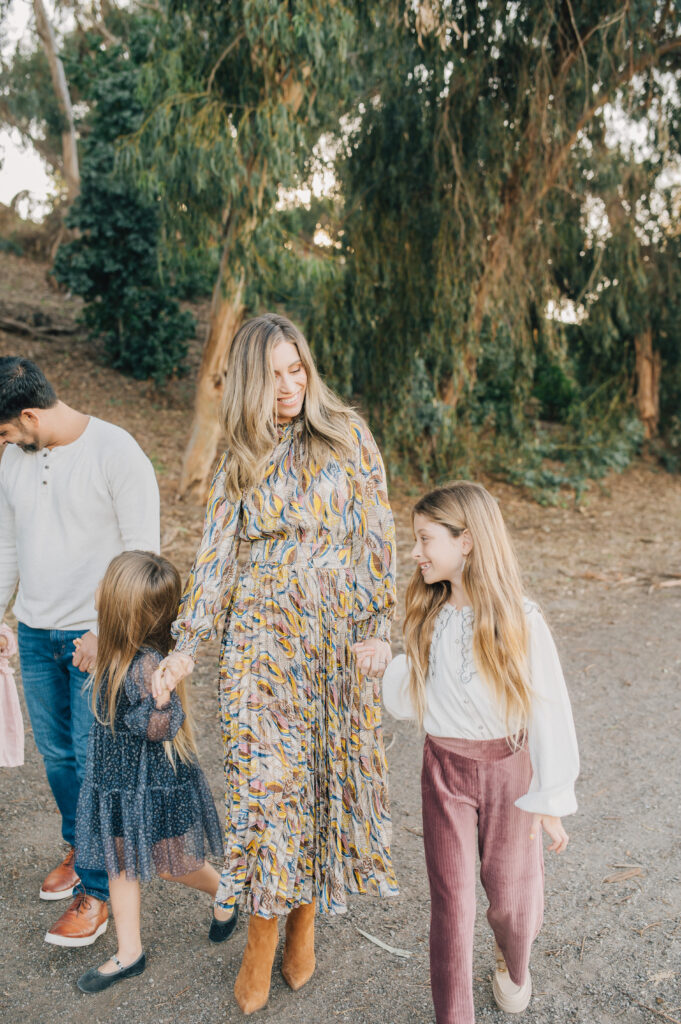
68	137
227	312
648	366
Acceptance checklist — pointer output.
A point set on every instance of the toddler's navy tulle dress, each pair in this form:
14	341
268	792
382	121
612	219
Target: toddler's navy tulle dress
137	811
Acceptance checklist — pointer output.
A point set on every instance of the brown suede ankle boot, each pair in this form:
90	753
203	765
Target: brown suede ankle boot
299	961
252	985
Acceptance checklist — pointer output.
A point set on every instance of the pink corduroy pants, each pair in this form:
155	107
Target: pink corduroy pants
469	787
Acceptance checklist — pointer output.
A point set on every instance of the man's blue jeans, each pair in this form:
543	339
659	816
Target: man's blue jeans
61	715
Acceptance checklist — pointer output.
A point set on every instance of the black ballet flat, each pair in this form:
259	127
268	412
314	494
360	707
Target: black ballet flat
94	981
221	930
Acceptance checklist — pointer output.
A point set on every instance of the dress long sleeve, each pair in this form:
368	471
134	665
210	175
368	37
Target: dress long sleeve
143	718
374	542
214	572
551	734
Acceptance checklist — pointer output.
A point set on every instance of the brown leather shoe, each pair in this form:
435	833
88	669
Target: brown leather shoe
61	882
81	924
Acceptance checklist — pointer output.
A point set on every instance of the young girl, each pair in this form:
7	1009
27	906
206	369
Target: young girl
11	722
144	805
481	674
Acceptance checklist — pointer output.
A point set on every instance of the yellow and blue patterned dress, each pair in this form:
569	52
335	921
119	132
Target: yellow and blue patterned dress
305	771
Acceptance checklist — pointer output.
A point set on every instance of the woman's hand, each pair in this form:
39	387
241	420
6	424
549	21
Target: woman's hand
162	700
169	673
553	828
373	656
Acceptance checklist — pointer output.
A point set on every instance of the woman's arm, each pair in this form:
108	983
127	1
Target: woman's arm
373	542
551	732
211	580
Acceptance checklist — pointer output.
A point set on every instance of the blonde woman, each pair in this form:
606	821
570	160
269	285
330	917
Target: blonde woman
144	807
300	493
482	676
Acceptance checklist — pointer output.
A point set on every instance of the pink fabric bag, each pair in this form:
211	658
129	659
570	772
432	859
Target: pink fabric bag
11	722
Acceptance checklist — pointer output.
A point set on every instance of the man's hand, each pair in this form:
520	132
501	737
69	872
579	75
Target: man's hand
86	652
373	656
554	829
168	674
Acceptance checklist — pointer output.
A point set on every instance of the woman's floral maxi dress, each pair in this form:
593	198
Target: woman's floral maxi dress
306	790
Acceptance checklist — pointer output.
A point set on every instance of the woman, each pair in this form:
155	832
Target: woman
301	488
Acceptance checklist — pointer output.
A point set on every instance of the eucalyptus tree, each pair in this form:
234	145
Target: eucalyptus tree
464	182
238	96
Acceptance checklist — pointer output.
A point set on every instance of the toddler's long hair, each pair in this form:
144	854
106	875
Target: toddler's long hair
137	603
491	579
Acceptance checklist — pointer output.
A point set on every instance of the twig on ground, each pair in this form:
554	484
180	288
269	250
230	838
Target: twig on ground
384	945
659	1013
624	876
20	327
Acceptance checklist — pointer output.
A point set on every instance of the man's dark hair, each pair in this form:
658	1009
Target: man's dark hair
23	386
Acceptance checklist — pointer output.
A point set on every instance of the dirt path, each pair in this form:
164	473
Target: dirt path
610	950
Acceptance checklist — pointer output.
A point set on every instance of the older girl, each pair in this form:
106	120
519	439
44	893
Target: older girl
481	674
301	491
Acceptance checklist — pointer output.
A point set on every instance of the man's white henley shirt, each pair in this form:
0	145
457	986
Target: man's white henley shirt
65	512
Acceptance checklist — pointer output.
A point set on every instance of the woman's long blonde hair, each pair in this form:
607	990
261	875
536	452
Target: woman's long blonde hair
137	603
491	579
248	405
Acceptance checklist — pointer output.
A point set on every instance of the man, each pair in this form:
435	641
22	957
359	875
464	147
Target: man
74	492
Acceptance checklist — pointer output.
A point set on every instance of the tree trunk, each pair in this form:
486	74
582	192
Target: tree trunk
648	366
68	137
227	312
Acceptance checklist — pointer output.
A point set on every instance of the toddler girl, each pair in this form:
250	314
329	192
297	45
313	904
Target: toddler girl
481	674
144	806
11	722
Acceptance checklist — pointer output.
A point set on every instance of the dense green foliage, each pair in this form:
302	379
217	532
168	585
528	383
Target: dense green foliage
114	261
467	185
498	250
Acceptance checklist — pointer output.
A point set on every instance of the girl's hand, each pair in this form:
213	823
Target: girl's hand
553	828
168	674
373	656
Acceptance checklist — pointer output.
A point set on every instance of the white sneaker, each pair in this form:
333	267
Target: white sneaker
510	998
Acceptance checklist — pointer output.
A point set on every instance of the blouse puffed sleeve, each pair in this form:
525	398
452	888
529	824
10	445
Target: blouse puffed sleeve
396	697
143	718
211	581
373	541
552	739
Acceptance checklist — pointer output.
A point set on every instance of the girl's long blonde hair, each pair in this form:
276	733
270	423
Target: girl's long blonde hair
137	603
491	579
248	405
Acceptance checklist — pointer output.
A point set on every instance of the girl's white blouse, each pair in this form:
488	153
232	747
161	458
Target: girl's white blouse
460	704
